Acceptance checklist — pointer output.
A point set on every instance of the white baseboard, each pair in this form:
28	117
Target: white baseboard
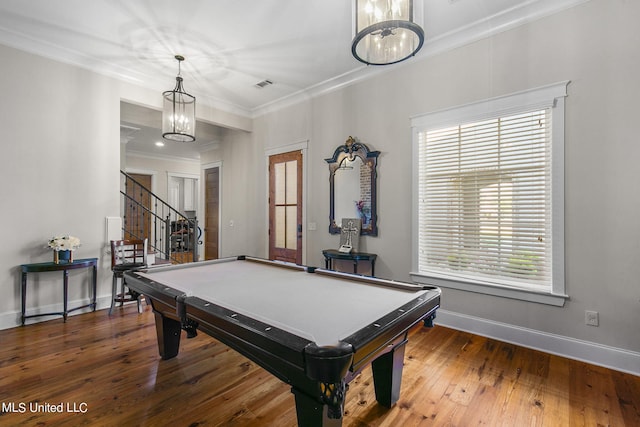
585	351
12	319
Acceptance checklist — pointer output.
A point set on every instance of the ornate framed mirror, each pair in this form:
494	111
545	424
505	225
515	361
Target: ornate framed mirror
352	186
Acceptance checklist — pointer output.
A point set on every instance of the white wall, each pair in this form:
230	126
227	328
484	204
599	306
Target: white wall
160	168
242	197
60	159
595	46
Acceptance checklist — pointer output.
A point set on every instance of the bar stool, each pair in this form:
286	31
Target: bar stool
126	255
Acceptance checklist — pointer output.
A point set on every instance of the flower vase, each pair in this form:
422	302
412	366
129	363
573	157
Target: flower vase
62	256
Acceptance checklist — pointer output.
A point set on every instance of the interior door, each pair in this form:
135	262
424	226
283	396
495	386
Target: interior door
212	212
285	207
137	219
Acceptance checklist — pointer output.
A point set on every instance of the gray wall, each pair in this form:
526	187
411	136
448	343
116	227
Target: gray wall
594	45
60	163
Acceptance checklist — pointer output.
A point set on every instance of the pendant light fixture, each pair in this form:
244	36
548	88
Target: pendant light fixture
385	31
178	112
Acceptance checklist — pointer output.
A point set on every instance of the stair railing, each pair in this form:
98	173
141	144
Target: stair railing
169	232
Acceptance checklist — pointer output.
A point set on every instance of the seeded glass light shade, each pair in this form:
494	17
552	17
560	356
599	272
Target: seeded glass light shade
385	31
178	112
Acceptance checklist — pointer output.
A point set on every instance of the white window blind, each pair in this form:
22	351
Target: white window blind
484	200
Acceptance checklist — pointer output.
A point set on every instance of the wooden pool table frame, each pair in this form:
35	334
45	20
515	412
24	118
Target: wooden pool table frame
318	375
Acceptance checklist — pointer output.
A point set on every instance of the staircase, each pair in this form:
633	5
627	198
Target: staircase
172	236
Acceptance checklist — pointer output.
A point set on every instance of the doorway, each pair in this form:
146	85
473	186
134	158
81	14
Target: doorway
285	207
211	212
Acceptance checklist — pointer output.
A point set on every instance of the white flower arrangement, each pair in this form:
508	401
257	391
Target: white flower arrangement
64	243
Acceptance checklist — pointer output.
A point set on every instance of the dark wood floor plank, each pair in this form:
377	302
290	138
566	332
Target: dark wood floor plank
451	378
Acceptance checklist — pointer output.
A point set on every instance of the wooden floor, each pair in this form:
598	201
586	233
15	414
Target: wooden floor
108	369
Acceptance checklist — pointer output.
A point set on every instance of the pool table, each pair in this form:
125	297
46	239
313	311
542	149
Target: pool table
312	328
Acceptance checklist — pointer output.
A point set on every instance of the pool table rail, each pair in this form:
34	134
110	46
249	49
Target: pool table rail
318	374
369	280
370	341
230	326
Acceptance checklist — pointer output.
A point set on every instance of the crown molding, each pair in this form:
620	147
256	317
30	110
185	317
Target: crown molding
60	54
508	19
519	15
141	154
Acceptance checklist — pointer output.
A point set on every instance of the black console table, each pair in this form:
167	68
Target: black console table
332	254
64	267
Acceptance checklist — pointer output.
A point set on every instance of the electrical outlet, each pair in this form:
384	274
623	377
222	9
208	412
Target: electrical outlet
591	318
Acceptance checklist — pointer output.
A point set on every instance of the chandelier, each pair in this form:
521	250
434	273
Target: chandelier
178	112
385	31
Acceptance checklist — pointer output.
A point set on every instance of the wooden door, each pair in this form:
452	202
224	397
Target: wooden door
211	212
285	207
137	218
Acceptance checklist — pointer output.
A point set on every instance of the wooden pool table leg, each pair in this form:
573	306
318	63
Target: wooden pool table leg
311	412
168	331
387	375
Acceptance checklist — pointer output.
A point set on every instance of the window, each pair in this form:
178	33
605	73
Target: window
489	196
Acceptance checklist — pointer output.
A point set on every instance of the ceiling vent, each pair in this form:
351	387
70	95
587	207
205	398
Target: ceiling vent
263	84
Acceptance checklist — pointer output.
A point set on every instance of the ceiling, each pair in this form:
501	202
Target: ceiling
231	45
140	131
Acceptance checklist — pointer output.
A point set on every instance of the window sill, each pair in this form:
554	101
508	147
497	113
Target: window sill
529	295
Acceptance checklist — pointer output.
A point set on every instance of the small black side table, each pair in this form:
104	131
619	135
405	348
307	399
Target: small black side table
332	254
64	267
